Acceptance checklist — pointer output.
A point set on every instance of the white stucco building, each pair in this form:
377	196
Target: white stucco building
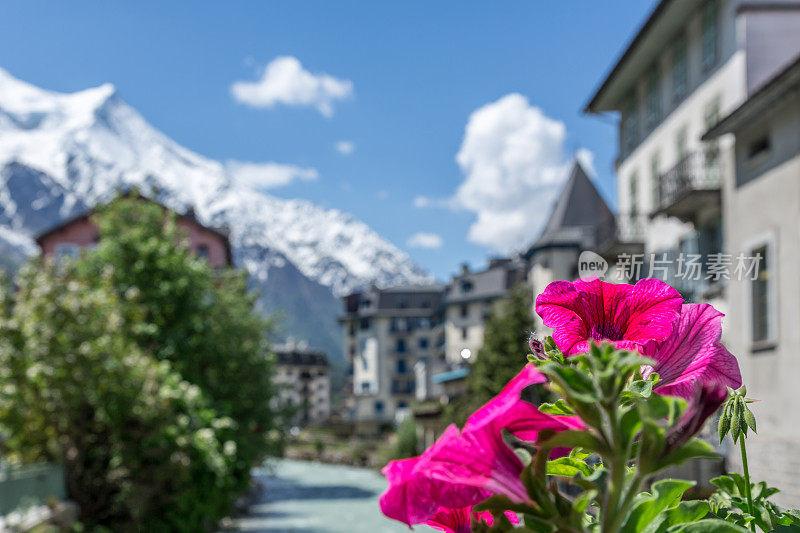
761	207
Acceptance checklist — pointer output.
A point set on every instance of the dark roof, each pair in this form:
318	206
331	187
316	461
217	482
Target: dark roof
652	19
488	284
774	89
297	356
190	215
577	213
408	301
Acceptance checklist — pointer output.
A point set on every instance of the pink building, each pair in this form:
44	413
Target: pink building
71	236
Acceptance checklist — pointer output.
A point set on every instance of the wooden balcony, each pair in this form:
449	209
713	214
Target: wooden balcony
689	187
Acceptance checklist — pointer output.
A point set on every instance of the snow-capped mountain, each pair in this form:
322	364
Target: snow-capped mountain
62	152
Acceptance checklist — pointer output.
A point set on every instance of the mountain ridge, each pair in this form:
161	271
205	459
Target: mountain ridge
63	152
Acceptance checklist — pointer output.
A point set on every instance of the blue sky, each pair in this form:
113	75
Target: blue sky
411	75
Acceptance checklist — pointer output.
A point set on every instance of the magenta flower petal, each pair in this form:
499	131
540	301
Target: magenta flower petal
694	354
460	520
463	468
509	397
477	458
629	316
413	497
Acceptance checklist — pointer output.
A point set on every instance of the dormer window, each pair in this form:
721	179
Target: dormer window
466	286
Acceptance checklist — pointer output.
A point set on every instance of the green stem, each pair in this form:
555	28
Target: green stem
746	477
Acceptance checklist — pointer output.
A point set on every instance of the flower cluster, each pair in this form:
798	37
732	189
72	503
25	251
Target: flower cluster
675	351
650	318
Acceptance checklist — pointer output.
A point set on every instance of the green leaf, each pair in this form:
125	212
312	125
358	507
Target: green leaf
583	500
642	388
682	513
568	467
693	449
576	383
713	525
559	407
666	494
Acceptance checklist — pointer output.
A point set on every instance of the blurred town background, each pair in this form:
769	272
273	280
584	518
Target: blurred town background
160	306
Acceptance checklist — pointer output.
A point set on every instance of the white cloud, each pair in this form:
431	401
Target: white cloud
425	240
512	157
345	147
285	81
586	159
382	194
268	175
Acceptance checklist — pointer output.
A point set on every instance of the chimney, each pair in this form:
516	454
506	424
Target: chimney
464	269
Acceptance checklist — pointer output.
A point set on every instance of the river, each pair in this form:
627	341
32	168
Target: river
306	497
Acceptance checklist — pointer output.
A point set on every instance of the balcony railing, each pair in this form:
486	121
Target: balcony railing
696	173
622	229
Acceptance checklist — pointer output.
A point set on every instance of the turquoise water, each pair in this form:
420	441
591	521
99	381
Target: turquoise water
306	497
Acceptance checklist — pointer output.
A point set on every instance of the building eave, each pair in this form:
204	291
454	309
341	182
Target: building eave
759	102
602	99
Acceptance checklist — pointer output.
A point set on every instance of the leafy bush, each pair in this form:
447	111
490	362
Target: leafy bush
140	445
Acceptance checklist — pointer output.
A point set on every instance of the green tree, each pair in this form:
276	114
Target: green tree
141	448
181	310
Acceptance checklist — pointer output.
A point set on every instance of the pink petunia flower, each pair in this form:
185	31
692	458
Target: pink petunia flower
463	468
693	354
460	520
630	317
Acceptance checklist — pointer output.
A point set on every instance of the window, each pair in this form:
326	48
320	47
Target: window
710	35
423	343
630	124
401	366
758	148
680	70
760	304
655	179
365	387
633	186
464	332
711	158
202	251
653	98
364	323
378	407
464	311
401	346
466	286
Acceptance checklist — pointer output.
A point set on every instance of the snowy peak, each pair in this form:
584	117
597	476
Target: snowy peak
60	152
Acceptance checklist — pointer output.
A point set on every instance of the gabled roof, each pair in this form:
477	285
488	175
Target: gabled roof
190	215
579	210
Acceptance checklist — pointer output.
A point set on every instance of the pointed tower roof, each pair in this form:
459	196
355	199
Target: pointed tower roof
578	211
